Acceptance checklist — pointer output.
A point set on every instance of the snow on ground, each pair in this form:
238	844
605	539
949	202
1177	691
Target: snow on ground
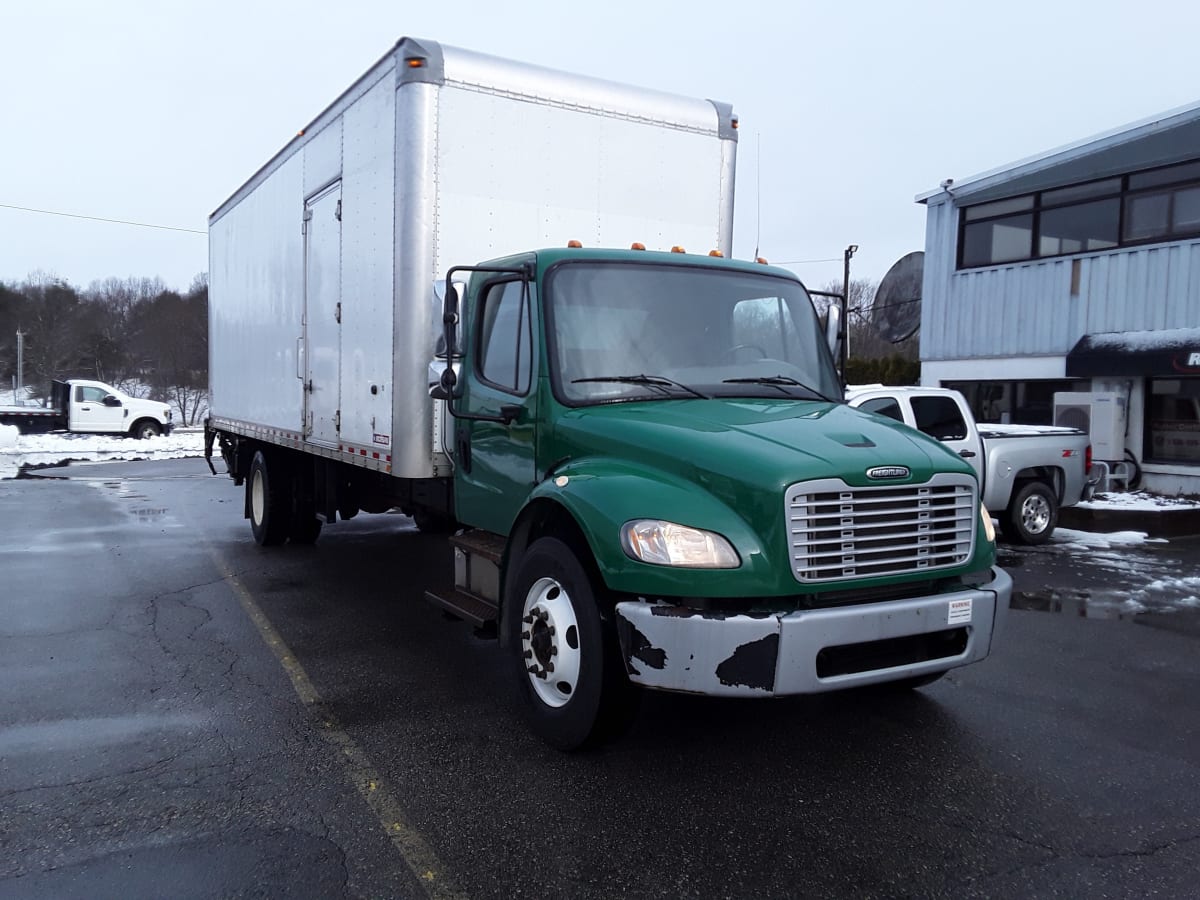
17	450
1139	500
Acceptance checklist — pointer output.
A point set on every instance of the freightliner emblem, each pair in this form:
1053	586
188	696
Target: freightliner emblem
888	472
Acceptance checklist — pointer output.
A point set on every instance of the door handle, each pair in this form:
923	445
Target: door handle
966	454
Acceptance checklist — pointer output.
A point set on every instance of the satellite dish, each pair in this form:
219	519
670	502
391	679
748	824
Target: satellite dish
896	312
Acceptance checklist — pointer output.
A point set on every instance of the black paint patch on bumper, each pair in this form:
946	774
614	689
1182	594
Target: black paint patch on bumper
636	646
752	664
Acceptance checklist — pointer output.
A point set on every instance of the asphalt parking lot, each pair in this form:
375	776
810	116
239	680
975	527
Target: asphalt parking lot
186	715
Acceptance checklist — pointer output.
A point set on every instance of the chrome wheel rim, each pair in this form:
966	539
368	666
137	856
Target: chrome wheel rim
1035	514
550	642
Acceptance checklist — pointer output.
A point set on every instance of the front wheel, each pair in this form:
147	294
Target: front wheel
566	659
1031	515
147	428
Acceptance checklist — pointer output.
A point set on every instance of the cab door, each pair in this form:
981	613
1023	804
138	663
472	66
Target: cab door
941	417
323	315
90	412
495	461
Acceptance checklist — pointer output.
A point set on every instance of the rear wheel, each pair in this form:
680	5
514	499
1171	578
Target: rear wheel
566	658
1031	515
268	501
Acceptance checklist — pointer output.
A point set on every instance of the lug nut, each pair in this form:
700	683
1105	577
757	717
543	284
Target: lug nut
528	620
533	670
528	654
524	635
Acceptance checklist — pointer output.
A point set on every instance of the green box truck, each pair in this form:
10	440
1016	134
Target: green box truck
641	458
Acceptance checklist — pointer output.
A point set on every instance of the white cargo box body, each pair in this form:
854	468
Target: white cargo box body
322	266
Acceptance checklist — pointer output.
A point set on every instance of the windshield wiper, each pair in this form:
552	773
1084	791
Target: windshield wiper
782	382
656	381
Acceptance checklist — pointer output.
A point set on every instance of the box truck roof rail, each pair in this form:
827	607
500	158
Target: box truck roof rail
414	60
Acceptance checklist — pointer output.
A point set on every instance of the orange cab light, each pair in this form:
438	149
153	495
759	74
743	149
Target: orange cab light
637	245
574	245
715	253
300	133
733	123
678	249
415	62
761	260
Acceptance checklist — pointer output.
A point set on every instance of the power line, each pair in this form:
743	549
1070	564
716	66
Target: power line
51	212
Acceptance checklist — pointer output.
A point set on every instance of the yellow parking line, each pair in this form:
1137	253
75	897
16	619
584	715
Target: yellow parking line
417	854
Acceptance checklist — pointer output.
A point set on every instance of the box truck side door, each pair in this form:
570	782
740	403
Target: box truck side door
323	314
495	463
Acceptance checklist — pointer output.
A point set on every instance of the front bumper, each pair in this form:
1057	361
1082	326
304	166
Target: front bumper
677	648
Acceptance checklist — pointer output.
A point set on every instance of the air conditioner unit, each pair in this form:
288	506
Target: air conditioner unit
1101	414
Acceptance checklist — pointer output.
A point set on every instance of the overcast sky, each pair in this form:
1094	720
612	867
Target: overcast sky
155	112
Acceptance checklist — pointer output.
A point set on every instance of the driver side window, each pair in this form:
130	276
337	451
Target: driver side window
505	338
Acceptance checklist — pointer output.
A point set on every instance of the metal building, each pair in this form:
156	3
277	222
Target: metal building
1065	289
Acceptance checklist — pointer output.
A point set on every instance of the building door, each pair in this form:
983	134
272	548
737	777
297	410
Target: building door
323	315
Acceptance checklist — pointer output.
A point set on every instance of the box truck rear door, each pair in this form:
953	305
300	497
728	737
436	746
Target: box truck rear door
322	315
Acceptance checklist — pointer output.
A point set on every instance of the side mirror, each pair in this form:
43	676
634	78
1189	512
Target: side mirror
833	330
110	400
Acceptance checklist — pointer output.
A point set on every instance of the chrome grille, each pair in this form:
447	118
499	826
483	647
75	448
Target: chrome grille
838	532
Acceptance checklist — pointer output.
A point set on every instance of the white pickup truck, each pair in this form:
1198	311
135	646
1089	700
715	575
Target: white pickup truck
1026	472
92	407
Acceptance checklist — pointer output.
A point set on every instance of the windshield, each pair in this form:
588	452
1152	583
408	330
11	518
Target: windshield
630	331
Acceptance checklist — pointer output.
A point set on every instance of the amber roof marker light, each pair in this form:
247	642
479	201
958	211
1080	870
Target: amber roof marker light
678	249
637	245
415	62
574	245
716	253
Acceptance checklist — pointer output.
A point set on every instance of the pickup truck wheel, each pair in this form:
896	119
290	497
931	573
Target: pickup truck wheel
268	502
566	658
147	428
1031	515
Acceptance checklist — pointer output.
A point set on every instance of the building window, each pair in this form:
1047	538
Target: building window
1173	420
1155	205
1015	402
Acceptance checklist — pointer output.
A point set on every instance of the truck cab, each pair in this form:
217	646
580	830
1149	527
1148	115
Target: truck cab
653	452
98	408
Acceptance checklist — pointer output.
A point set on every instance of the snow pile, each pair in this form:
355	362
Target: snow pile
17	450
1139	500
1089	540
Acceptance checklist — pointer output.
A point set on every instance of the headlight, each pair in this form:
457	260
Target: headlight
668	544
988	529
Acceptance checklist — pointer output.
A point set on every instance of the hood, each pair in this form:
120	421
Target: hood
726	445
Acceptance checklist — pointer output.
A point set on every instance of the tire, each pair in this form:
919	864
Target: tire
564	656
1032	514
145	429
305	528
268	501
917	681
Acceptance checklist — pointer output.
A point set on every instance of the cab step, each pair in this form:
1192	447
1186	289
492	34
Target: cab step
475	596
466	606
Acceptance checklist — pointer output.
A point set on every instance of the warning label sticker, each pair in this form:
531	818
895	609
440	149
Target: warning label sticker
959	612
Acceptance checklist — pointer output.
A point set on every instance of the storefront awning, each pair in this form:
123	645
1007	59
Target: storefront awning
1173	351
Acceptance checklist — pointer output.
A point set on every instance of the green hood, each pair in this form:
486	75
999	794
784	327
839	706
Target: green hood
743	454
765	444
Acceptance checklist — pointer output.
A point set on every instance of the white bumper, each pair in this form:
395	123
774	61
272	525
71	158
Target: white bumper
676	648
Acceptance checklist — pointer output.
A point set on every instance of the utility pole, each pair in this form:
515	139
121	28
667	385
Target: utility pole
20	365
850	251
